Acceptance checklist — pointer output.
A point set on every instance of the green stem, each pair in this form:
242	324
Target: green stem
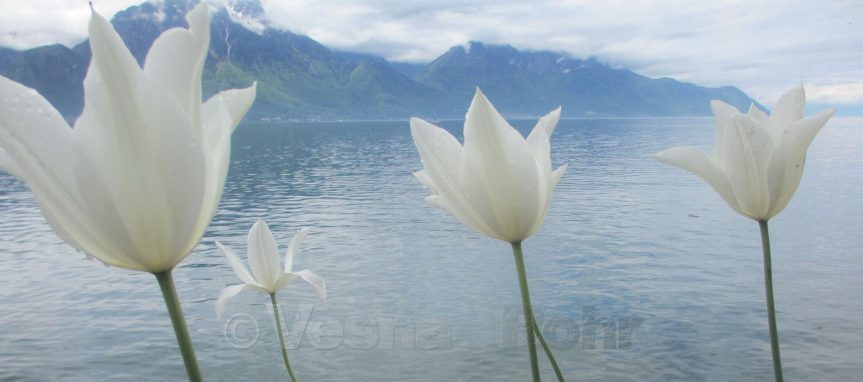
282	337
771	310
547	349
169	291
526	307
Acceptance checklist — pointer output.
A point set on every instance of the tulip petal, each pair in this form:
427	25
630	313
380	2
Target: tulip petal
176	60
36	146
757	113
439	151
8	164
441	155
723	115
294	248
786	164
316	282
556	175
129	127
237	265
263	255
31	130
436	201
284	280
221	114
225	295
740	144
35	141
545	199
502	169
696	161
547	123
746	162
802	132
538	140
121	68
489	140
426	180
789	108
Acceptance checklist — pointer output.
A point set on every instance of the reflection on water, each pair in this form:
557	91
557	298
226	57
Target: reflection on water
640	271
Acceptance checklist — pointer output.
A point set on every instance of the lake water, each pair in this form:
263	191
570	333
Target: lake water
640	271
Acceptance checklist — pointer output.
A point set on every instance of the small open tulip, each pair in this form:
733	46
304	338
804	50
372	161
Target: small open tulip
138	179
267	275
756	166
757	159
499	184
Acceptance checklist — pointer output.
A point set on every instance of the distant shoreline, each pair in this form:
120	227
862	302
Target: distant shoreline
435	120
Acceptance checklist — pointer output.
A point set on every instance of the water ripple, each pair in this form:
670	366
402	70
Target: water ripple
640	272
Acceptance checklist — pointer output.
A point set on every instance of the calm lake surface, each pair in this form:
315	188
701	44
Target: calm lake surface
640	271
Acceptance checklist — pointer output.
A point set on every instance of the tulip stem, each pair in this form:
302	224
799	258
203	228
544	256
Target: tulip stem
169	291
548	353
282	336
529	321
771	310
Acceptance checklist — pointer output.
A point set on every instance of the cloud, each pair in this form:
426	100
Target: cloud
848	93
26	24
763	47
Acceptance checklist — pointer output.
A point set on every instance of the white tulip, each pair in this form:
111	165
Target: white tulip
757	159
266	276
138	179
499	183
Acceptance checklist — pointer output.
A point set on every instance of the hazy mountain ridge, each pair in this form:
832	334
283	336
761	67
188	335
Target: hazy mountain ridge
7	56
56	71
526	82
300	79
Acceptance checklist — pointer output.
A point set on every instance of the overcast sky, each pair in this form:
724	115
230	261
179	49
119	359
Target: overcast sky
764	47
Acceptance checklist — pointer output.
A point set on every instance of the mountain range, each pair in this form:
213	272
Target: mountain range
301	79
